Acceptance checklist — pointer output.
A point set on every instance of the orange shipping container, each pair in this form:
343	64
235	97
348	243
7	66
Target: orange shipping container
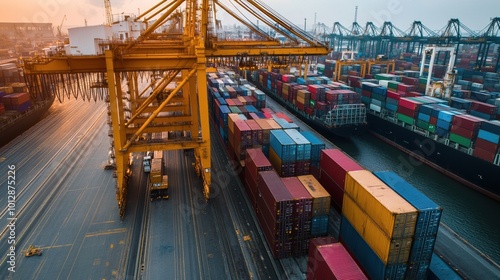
321	198
392	213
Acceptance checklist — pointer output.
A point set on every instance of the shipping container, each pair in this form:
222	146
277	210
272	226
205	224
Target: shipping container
392	213
283	145
333	262
321	198
429	213
303	146
366	257
389	250
336	164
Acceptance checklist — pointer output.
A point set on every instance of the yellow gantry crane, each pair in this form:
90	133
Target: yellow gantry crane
174	65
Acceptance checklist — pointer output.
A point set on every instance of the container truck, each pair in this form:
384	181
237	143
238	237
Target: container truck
158	182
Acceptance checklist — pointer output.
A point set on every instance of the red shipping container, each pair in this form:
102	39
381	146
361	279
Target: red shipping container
405	88
16	98
467	121
267	110
410	104
302	200
483	154
283	116
406	111
394	95
433	120
334	262
336	192
336	164
274	193
483	107
469	134
256	161
486	145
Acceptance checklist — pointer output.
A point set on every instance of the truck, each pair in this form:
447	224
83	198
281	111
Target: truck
146	162
158	182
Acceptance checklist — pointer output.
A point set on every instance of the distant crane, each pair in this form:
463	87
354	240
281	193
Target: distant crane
109	14
59	28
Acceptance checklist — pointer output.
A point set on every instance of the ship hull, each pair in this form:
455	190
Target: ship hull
344	131
22	123
474	172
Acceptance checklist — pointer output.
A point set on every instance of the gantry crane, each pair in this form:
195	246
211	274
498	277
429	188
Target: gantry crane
173	60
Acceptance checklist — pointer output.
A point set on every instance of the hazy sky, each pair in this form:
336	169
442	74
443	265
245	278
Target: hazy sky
432	13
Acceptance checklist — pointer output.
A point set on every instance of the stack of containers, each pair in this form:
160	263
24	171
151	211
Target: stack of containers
255	161
408	110
301	217
242	139
320	205
426	228
332	261
316	147
378	100
303	99
334	165
19	102
392	101
366	92
488	141
266	132
256	133
282	153
303	152
444	120
483	110
464	129
275	206
383	220
313	255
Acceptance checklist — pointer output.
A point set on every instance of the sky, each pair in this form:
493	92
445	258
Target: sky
434	14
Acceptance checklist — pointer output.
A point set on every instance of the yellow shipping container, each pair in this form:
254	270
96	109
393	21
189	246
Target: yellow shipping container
231	118
390	251
301	100
392	213
275	160
273	124
321	198
303	93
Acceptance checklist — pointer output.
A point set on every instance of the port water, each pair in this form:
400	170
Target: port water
473	216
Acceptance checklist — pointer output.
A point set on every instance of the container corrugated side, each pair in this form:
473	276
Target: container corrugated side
429	213
366	257
256	161
392	213
321	198
390	251
334	262
284	169
303	145
283	145
274	193
316	145
336	164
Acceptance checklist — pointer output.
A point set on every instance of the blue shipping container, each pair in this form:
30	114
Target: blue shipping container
283	145
443	124
491	126
316	145
418	270
488	136
424	117
368	259
429	213
303	145
319	225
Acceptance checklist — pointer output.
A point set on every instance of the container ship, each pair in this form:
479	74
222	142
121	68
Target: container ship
18	111
459	136
292	181
329	107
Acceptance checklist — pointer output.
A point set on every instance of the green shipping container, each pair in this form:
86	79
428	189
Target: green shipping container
313	103
462	141
406	119
432	128
423	124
